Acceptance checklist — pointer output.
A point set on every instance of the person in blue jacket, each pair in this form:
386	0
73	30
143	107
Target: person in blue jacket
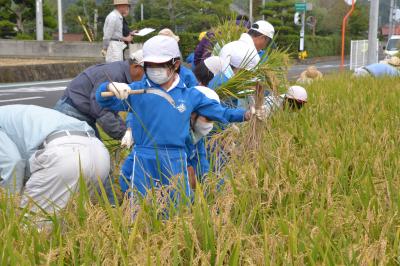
185	73
195	146
190	60
389	69
162	118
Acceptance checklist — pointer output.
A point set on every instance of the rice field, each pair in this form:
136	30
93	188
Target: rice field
322	189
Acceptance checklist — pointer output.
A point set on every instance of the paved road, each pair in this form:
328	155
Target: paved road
48	92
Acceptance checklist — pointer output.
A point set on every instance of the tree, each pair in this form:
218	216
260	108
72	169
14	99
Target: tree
21	14
281	14
184	15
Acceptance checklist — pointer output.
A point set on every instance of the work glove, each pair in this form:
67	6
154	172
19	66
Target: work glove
260	113
127	140
120	90
104	52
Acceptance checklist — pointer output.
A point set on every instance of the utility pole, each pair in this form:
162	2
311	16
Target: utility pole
39	20
302	31
263	5
391	19
373	32
60	22
251	11
141	12
96	17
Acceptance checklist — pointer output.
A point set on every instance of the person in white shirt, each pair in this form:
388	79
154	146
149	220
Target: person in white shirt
114	41
43	153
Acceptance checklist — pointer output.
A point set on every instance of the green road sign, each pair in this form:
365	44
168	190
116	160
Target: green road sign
300	7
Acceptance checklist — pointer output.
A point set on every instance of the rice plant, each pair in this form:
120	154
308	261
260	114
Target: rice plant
323	190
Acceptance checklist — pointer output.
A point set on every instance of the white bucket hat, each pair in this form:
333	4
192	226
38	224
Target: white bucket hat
137	57
170	33
216	64
264	27
209	93
160	49
240	54
297	93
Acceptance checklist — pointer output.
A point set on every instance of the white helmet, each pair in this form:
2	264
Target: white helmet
297	93
264	27
160	49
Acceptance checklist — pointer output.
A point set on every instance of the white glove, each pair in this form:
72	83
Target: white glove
120	90
127	140
261	113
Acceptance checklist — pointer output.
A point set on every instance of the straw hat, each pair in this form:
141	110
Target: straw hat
394	61
313	73
169	33
121	2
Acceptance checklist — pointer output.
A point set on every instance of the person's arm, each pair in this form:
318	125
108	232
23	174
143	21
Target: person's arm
112	124
216	112
12	166
113	102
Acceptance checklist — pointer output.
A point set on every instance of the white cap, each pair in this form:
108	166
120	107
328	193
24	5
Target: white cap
240	55
209	93
137	57
160	49
264	27
297	93
170	33
216	64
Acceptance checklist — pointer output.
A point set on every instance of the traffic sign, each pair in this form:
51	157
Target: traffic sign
301	7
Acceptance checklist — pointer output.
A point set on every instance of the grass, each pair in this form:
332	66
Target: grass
323	190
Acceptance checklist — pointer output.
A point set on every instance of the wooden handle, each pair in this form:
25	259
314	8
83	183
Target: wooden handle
111	94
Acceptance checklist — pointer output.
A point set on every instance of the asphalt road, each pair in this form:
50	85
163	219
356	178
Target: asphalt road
47	93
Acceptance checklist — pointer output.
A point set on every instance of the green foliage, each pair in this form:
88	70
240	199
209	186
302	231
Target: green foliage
358	23
24	36
7	29
22	15
86	10
188	42
315	45
83	8
281	14
184	15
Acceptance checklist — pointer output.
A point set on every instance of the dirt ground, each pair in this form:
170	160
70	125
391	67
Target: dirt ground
22	61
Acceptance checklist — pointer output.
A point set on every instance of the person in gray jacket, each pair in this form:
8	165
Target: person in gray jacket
79	99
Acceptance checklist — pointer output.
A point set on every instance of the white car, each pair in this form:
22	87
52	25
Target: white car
393	46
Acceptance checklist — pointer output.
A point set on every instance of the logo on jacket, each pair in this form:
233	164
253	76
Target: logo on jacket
181	108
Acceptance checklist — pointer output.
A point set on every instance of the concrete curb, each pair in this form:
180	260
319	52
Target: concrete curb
25	73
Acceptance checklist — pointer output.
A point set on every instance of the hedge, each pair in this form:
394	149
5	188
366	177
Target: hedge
316	46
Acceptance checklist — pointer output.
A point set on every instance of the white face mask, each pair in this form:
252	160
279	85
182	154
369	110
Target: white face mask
201	129
158	75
